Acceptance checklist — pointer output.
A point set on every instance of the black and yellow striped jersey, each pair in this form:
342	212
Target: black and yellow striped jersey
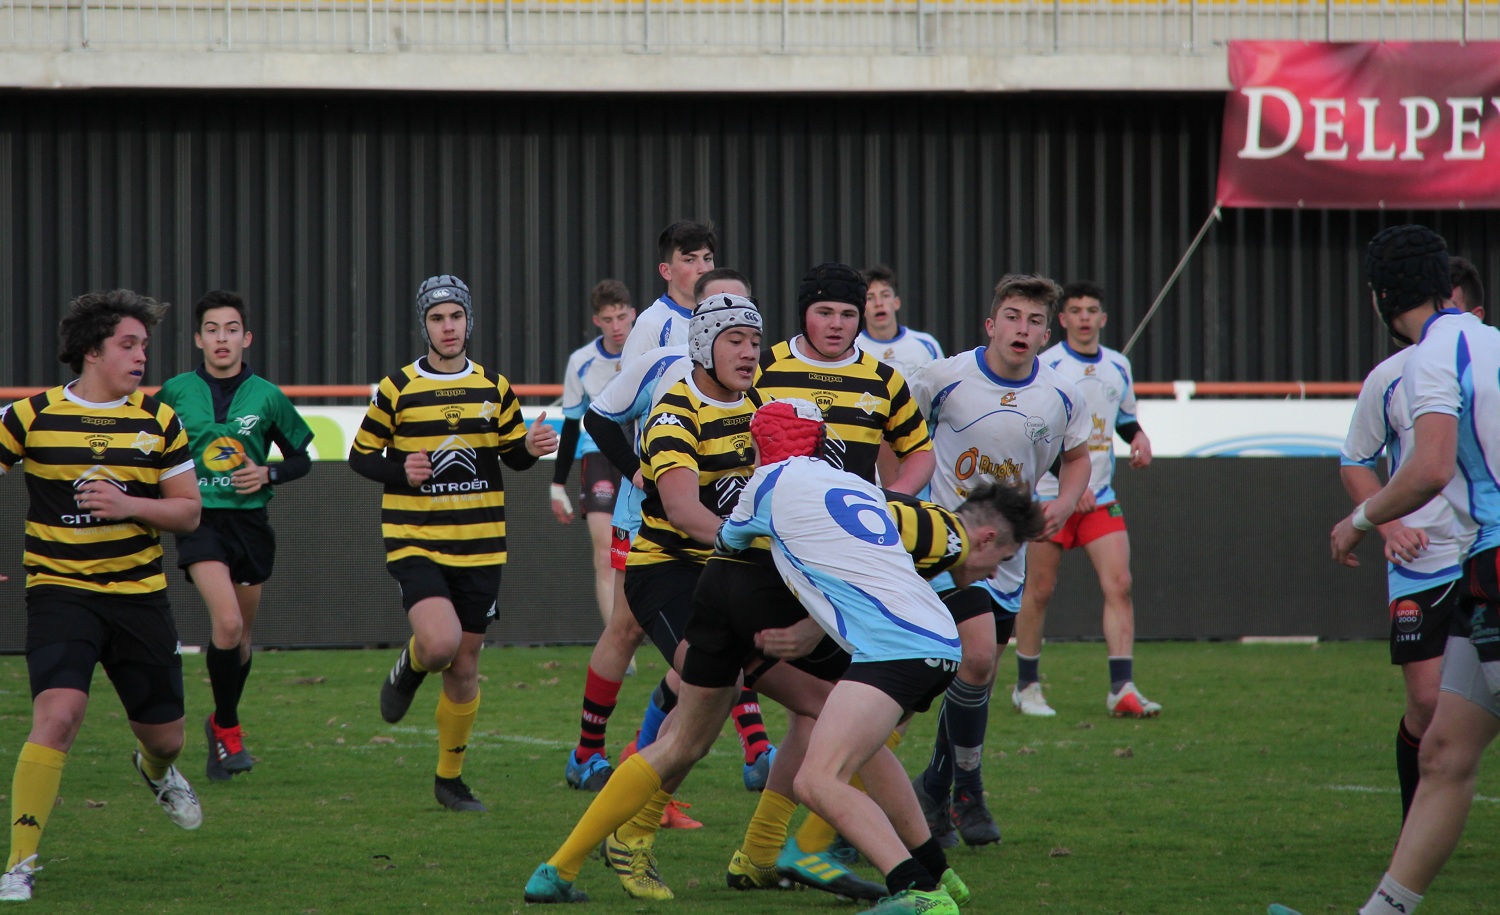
711	438
863	401
933	535
464	421
133	444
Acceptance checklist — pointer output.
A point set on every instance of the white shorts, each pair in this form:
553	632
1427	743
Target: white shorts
1463	676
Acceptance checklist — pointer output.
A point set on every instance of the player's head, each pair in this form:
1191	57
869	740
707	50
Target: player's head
104	335
221	333
1407	268
724	340
786	429
446	314
1019	317
998	519
687	250
614	314
1468	290
721	279
1081	313
882	301
831	300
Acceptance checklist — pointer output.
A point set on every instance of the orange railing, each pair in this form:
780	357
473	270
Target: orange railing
1182	390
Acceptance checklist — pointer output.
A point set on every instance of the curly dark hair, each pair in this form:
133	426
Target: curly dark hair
91	320
991	503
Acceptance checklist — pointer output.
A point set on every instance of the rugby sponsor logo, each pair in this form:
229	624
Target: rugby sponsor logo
454	458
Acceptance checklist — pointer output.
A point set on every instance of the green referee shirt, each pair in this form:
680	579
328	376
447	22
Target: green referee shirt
258	414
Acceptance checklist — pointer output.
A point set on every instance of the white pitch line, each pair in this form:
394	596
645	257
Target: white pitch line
1366	789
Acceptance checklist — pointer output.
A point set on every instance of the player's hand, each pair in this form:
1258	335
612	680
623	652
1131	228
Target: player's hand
250	477
1140	451
541	438
1086	503
103	501
1402	543
1056	515
1343	540
795	641
418	468
562	506
639	481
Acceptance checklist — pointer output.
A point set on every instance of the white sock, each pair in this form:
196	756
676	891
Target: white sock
1391	898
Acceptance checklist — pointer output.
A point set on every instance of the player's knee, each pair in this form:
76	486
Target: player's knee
1117	584
1420	708
228	630
1445	759
1039	590
977	665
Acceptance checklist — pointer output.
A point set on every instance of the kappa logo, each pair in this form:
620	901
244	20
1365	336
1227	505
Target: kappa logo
955	543
97	421
98	444
1008	399
145	442
247	422
27	819
458	750
667	419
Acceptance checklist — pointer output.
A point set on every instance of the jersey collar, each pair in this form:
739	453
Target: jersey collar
900	332
424	369
1437	314
682	312
604	353
1083	357
853	357
984	367
68	393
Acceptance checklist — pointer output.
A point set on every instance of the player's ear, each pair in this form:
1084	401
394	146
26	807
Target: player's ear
249	338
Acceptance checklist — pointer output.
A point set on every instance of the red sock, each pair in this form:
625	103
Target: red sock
750	726
599	697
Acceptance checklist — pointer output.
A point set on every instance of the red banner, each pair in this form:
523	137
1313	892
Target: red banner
1412	125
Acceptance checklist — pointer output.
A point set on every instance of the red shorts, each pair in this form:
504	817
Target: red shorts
619	548
1086	527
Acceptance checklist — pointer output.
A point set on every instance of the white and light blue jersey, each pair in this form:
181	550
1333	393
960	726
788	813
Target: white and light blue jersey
988	428
1107	387
665	323
590	368
630	396
906	352
1455	369
1382	421
839	551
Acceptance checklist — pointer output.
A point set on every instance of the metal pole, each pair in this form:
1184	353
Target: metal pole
228	25
646	15
1193	26
1464	39
1181	264
369	25
786	25
83	7
1328	20
509	28
1056	25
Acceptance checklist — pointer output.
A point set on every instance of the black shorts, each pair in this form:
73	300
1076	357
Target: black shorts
1478	616
69	631
913	682
600	481
966	603
661	598
733	601
471	589
241	538
1422	622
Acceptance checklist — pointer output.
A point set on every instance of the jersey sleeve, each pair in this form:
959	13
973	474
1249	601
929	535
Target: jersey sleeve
1367	427
378	428
1127	412
574	399
1079	421
1431	376
669	441
905	429
14	420
508	422
176	456
290	424
628	394
932	346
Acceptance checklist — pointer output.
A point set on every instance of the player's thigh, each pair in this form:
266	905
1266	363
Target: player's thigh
1110	555
857	719
1421	623
661	598
1043	559
143	661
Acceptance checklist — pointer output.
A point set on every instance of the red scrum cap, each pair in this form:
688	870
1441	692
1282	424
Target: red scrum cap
787	428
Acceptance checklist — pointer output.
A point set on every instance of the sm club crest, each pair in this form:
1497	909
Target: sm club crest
98	444
453	413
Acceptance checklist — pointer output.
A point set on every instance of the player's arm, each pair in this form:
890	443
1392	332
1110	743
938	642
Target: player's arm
1402	543
749	519
1072	482
613	443
521	445
175	511
367	456
562	506
1432	463
1132	434
678	488
295	464
909	437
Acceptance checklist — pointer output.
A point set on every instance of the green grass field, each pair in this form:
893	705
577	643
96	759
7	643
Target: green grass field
1268	778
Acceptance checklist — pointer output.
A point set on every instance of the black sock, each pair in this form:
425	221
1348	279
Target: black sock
930	855
245	673
665	699
224	679
1028	670
1121	671
1407	769
909	875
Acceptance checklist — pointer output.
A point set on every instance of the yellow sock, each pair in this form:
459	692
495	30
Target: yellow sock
766	833
33	791
411	656
817	834
647	821
455	722
632	785
155	767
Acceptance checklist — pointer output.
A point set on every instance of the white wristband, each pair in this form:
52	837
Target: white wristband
560	494
1360	522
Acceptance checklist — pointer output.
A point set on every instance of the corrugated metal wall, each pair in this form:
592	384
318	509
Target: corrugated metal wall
327	210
